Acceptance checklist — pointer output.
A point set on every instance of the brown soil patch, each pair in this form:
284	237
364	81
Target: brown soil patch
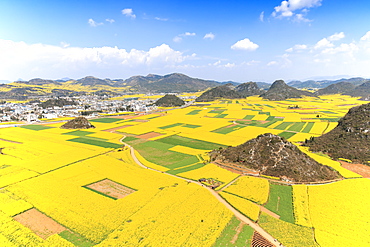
259	241
42	225
111	189
236	168
263	209
361	169
117	128
149	135
5	140
141	120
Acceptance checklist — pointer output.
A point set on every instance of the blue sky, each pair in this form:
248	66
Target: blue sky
220	40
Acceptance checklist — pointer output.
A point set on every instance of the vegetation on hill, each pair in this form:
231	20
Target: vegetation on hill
279	90
325	83
225	91
56	102
362	90
337	88
169	100
272	155
248	89
78	123
175	82
350	139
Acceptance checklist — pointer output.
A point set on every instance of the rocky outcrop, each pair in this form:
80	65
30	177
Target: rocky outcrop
272	155
78	123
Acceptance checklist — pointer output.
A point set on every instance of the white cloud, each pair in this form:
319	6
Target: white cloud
244	44
366	37
297	48
93	23
22	60
262	15
323	43
64	44
229	65
160	19
188	34
326	42
109	20
272	63
336	36
128	13
287	8
301	18
342	48
178	38
210	36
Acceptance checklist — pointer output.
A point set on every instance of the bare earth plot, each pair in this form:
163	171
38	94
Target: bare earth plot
111	189
42	225
363	170
149	135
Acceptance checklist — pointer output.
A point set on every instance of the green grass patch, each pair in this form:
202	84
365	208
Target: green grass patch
188	161
220	115
296	127
95	142
189	142
186	169
158	145
130	139
287	233
280	201
268	106
308	127
160	156
283	125
245	236
335	119
248	117
78	133
76	239
265	125
226	130
192	126
328	112
264	112
170	126
224	240
193	112
106	120
35	127
286	134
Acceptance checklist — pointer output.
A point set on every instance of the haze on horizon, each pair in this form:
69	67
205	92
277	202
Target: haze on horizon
218	40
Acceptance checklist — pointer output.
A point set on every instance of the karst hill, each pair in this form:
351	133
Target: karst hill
279	90
272	155
169	100
228	91
78	123
350	139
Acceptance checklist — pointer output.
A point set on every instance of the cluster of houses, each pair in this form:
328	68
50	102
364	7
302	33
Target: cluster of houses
31	111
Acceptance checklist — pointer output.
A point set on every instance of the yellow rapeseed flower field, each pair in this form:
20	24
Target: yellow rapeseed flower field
253	188
340	212
246	207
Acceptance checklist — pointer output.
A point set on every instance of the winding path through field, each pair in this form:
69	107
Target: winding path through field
240	216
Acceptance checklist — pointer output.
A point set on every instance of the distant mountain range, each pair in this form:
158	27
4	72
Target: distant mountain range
174	83
324	83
